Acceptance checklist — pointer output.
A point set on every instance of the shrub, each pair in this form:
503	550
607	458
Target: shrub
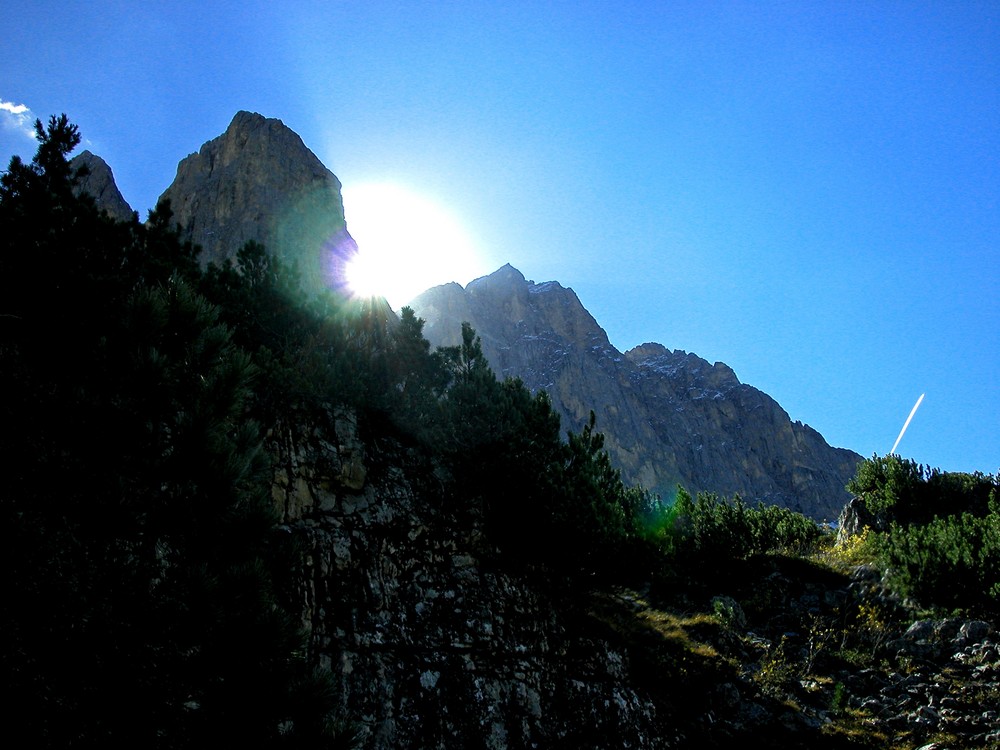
952	561
910	493
709	526
856	549
942	546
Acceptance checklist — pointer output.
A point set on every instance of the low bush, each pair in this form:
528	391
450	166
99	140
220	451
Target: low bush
710	527
940	538
950	562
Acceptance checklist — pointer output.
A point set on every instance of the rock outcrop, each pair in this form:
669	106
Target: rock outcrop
433	644
669	417
258	181
97	180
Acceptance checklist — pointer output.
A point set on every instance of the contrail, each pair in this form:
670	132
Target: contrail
907	423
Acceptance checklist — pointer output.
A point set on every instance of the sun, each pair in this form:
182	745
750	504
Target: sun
407	243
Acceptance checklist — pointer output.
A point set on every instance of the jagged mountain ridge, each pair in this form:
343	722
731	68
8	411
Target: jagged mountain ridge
669	417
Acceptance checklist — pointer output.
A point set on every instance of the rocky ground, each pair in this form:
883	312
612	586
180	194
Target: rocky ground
806	656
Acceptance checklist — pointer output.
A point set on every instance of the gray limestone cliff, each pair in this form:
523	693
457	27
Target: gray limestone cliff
669	417
98	181
258	181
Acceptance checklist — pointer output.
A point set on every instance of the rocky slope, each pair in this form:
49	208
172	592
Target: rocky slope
669	417
434	642
258	181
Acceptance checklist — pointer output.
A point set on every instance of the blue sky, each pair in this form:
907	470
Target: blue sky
805	191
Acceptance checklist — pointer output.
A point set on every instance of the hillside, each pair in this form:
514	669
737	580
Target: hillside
239	513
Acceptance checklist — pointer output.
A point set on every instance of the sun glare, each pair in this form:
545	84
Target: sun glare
407	243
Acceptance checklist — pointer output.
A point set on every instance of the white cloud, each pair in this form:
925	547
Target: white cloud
17	117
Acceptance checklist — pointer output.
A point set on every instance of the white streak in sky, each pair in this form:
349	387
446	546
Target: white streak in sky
17	117
907	423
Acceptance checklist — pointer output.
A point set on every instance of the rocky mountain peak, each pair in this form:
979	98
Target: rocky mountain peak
99	182
506	279
505	307
258	181
253	137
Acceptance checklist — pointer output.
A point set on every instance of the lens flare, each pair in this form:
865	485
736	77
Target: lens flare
407	243
364	275
907	423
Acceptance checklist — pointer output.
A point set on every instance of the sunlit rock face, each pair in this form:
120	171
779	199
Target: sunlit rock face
669	417
432	643
258	181
99	183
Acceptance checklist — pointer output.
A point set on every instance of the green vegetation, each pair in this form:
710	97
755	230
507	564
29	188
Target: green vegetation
951	562
902	491
714	529
938	532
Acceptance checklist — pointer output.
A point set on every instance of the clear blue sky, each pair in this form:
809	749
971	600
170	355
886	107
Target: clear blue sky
805	191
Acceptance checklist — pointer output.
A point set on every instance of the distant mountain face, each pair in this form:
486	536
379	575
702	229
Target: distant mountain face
258	181
99	182
669	417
